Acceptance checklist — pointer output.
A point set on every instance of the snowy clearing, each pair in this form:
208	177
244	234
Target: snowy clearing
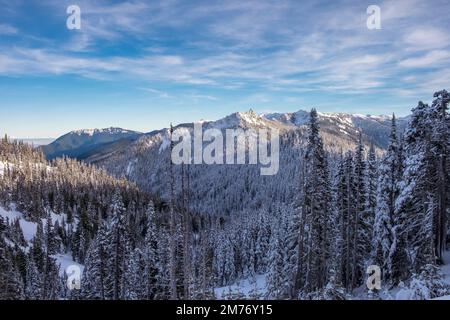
29	228
64	261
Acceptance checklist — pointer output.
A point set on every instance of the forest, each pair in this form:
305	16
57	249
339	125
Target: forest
343	212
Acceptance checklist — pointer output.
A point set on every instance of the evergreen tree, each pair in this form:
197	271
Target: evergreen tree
387	228
33	287
316	199
153	268
95	271
118	250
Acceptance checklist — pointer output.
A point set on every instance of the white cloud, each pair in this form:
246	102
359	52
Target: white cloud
426	38
273	45
432	58
159	93
6	29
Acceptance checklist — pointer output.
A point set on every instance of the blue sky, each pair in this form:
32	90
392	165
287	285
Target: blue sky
143	64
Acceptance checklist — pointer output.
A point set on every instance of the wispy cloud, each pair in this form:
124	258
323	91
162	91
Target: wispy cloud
275	46
6	29
427	38
432	58
159	93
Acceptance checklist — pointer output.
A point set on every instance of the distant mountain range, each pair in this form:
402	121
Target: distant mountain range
81	143
95	145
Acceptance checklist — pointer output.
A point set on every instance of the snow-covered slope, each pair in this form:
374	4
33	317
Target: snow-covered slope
336	125
29	231
375	127
256	288
28	228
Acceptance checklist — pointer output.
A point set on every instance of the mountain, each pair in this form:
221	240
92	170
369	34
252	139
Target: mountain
96	145
376	128
343	126
145	159
80	143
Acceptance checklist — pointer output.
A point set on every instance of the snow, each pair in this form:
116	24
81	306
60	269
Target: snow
29	231
91	132
165	144
64	261
442	298
4	165
446	267
251	118
28	228
130	166
245	287
343	120
404	294
408	294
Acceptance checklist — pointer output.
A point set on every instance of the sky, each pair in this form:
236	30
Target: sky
141	65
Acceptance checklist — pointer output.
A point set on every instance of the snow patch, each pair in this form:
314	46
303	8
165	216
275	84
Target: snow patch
165	144
92	132
64	261
28	228
245	287
130	166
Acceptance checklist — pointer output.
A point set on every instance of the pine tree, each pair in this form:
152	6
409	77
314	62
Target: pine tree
172	228
423	201
372	178
118	250
134	277
153	268
33	287
93	284
362	236
387	228
316	198
11	284
37	248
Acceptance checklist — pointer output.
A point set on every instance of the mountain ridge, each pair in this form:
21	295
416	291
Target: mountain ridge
91	149
76	143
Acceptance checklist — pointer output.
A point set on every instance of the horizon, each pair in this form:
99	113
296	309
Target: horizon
141	66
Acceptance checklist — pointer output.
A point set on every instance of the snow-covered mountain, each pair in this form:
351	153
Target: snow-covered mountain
335	126
94	145
78	144
376	128
143	158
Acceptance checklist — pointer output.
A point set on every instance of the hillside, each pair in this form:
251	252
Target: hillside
145	160
78	144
